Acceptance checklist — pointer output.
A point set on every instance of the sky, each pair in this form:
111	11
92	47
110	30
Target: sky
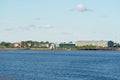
59	20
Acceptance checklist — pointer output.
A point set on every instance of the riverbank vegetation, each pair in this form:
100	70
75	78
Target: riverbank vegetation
45	45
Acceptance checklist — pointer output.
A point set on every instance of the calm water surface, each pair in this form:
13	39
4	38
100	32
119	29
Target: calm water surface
59	65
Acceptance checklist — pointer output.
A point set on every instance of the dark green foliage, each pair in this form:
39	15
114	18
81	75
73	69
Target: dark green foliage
37	42
116	45
6	44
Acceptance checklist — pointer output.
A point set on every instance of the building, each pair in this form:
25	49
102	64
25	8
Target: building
16	45
52	46
110	44
23	44
66	45
29	44
45	45
100	43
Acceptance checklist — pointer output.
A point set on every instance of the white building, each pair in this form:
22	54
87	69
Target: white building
16	44
41	45
100	43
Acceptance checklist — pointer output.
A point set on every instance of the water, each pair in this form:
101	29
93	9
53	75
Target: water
59	65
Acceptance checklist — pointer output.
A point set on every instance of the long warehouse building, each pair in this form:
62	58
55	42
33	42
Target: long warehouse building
100	43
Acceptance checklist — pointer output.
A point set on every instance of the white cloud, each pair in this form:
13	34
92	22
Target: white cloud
81	7
46	26
25	27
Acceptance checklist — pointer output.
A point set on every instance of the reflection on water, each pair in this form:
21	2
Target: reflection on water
59	65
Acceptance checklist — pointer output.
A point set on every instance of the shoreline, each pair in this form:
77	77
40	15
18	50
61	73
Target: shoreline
104	49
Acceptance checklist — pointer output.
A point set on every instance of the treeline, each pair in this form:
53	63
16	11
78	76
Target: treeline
6	45
12	45
45	44
37	42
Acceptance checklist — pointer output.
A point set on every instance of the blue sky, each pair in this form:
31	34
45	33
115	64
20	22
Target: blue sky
59	20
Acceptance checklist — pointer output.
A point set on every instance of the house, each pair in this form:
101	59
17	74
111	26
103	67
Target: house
42	45
16	45
29	44
23	44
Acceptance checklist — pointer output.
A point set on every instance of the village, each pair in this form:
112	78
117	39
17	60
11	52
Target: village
46	45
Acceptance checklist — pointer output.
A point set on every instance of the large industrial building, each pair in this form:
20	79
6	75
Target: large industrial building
95	43
66	45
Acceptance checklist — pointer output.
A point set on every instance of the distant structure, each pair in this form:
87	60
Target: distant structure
95	43
110	44
29	45
23	44
66	45
46	45
52	46
16	45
